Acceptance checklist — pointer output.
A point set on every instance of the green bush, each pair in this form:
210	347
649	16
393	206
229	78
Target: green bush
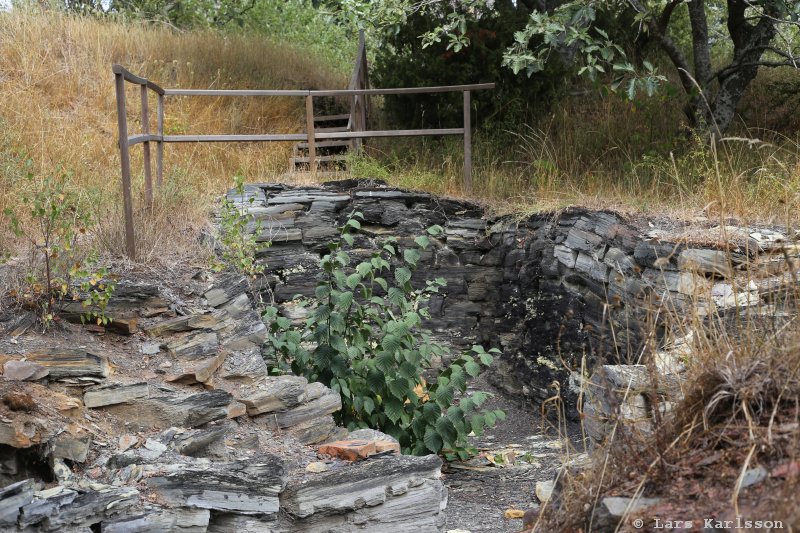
51	219
237	239
364	339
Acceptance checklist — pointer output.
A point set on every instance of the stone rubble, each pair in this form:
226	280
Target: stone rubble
190	456
559	294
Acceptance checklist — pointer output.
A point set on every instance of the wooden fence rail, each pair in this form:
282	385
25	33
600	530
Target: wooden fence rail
356	130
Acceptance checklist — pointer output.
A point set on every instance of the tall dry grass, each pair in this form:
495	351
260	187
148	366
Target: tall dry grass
606	152
58	108
738	413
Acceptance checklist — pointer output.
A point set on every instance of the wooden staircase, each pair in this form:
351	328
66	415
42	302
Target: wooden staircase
331	154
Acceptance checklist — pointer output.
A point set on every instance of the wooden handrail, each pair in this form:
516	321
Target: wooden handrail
328	92
405	90
302	137
235	92
358	90
133	78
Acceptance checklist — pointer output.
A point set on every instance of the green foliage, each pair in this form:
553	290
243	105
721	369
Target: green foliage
301	24
238	234
571	31
184	14
578	36
61	268
402	59
364	339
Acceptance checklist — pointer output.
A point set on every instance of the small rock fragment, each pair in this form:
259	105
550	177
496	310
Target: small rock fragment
544	490
152	449
612	509
753	476
150	348
61	471
24	371
316	467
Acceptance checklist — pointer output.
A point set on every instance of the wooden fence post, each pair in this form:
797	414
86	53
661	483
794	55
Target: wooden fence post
148	171
160	145
364	85
467	142
125	163
312	145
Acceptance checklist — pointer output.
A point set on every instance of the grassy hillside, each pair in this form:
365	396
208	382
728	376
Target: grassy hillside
604	151
58	110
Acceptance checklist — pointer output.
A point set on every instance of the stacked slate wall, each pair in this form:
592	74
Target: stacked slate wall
555	291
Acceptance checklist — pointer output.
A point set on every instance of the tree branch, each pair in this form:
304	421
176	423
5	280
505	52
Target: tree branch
668	45
666	15
730	69
700	45
737	23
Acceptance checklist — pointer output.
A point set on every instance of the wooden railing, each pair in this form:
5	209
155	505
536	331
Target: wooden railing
359	102
357	130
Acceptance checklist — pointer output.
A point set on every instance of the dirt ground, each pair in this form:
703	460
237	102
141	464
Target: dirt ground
480	494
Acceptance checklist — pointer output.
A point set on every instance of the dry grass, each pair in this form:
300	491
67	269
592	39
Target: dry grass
740	412
602	151
58	108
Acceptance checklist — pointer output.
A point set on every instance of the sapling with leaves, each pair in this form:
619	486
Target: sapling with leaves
364	338
61	268
238	234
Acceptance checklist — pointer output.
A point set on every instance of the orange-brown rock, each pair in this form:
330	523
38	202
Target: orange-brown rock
349	450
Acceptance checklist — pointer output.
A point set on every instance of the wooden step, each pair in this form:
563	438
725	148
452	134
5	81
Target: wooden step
336	129
305	175
324	144
320	159
331	118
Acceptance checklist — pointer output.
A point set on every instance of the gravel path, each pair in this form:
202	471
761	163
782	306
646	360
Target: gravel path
480	496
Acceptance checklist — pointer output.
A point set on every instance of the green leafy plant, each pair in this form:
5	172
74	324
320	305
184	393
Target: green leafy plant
363	338
61	269
238	234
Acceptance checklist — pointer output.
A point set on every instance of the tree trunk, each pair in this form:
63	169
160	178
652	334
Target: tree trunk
712	110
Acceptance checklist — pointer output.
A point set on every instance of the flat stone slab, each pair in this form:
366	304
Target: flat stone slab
166	407
244	487
70	363
114	393
225	289
12	498
195	345
306	197
182	323
273	393
401	493
179	520
74	510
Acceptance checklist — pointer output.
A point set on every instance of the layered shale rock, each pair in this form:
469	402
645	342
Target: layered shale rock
179	426
173	435
557	292
394	493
